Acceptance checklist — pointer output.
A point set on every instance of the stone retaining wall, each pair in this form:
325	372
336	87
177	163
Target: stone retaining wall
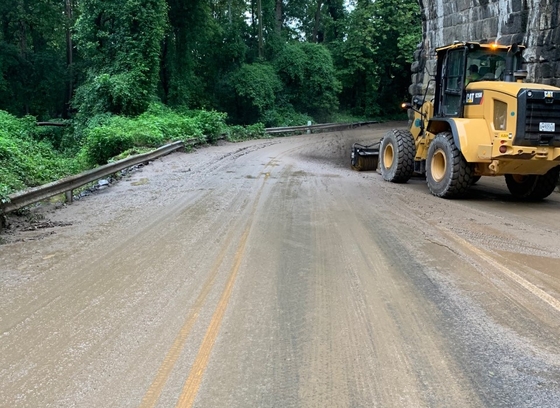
533	23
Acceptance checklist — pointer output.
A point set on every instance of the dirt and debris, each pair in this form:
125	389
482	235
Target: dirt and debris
277	276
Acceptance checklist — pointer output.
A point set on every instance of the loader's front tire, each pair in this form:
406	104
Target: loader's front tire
531	187
447	172
397	152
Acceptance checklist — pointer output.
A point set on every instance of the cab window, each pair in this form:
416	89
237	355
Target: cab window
453	83
490	63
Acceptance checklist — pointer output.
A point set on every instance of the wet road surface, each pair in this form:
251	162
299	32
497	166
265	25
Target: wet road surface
268	274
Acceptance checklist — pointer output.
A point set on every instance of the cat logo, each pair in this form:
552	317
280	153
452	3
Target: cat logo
474	98
548	94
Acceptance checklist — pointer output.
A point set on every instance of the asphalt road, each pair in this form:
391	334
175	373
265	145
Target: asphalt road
268	274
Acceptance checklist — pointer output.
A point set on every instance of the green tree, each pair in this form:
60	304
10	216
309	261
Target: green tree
309	78
373	59
121	42
314	20
190	26
32	65
206	41
250	91
264	36
187	53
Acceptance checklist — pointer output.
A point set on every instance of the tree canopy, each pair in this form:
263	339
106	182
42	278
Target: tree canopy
81	58
134	74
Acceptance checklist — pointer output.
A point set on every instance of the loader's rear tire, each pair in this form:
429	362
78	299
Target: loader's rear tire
475	179
447	172
397	152
531	187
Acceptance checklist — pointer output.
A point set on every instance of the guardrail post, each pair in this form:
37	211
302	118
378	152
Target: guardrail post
69	196
309	129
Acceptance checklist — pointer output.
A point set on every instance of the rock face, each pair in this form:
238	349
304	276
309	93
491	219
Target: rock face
533	23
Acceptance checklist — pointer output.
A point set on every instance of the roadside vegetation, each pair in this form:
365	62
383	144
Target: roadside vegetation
129	75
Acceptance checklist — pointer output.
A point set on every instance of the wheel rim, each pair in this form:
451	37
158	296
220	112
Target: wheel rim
518	178
439	165
388	156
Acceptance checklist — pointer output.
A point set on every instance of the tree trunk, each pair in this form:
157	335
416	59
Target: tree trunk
259	12
69	57
317	21
164	69
22	32
254	31
335	11
279	4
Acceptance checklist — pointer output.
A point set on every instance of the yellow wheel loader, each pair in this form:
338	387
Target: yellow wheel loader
482	121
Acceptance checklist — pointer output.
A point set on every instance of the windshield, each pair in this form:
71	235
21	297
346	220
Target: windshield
486	65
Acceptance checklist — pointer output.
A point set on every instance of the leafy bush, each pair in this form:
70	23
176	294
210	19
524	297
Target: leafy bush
256	131
62	138
250	91
309	77
24	161
122	49
237	133
4	192
211	123
15	127
285	116
204	126
109	136
104	142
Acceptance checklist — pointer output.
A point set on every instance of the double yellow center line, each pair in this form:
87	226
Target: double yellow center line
194	380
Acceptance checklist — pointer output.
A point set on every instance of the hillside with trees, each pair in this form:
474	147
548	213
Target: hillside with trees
128	74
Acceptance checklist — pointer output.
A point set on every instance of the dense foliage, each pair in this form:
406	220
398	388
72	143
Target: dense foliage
27	157
384	32
120	40
107	136
129	73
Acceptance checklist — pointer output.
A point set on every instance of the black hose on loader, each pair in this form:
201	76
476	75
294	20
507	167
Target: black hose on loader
365	157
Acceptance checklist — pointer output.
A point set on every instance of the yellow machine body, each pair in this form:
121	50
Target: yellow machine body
486	128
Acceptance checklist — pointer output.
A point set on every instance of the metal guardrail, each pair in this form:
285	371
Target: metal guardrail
68	184
325	126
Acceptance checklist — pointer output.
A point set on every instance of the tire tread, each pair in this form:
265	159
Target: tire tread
405	151
462	172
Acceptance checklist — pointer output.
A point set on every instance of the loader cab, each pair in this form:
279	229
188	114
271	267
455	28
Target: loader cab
493	62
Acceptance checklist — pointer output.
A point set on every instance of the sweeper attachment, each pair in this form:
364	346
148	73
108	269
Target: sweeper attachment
365	157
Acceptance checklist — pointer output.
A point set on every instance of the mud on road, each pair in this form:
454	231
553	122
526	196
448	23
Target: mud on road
268	274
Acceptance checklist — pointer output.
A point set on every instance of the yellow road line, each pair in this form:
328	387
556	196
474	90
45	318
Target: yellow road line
194	380
152	395
541	294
